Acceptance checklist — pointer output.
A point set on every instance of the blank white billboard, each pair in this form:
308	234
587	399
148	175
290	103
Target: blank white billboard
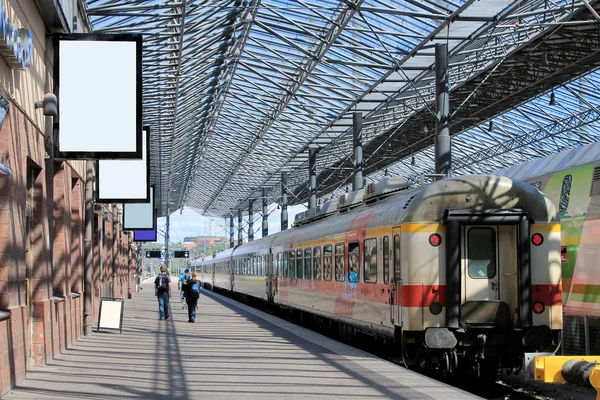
140	215
125	181
98	78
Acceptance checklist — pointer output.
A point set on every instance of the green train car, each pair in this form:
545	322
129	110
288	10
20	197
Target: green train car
571	179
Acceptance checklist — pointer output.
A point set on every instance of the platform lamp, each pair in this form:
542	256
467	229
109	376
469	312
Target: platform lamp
552	99
49	105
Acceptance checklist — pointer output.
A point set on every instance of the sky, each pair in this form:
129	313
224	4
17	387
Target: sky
191	223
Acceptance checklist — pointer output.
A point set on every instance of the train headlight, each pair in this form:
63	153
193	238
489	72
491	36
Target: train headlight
435	239
538	307
537	239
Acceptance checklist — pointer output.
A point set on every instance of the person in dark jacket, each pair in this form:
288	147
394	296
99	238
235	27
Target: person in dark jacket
162	290
192	293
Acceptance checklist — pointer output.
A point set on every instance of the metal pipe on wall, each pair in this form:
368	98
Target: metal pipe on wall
88	286
357	181
443	154
114	251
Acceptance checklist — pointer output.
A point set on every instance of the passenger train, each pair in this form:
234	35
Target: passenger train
460	274
571	179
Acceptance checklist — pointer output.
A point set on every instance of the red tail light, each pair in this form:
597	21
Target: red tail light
537	239
538	307
563	254
435	239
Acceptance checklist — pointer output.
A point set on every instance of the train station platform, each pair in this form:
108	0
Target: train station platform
231	351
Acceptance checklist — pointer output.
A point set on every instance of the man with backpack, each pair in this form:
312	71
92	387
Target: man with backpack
162	290
183	280
192	294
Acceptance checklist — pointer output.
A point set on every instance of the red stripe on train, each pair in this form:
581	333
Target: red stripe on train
423	295
548	294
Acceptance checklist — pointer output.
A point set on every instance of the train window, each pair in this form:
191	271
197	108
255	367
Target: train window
317	263
327	262
370	261
482	253
565	193
285	264
307	263
299	264
292	264
339	262
386	259
595	188
397	260
353	262
278	265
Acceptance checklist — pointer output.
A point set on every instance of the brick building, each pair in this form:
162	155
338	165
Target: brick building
42	207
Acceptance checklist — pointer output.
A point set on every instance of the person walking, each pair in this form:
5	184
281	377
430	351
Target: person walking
162	290
192	294
183	279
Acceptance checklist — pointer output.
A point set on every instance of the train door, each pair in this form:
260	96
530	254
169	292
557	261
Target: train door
480	262
269	276
396	279
234	269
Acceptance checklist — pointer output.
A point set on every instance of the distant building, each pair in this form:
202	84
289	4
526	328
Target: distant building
203	241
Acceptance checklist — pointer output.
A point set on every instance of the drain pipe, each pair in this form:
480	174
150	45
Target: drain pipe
88	276
358	181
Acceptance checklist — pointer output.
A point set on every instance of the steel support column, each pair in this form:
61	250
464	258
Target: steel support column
358	180
250	221
312	176
167	257
265	214
231	243
239	226
284	202
443	155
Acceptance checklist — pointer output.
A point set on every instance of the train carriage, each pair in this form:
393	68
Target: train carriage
462	271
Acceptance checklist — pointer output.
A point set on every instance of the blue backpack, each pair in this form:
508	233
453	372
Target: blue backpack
195	289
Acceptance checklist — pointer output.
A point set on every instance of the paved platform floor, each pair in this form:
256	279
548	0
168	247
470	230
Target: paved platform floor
232	351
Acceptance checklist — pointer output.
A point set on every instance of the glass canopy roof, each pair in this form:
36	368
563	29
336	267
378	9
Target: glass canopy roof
236	91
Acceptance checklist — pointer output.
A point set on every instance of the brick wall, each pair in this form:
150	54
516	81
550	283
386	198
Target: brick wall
41	252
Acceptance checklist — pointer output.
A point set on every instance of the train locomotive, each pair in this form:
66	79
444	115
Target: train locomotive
463	274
